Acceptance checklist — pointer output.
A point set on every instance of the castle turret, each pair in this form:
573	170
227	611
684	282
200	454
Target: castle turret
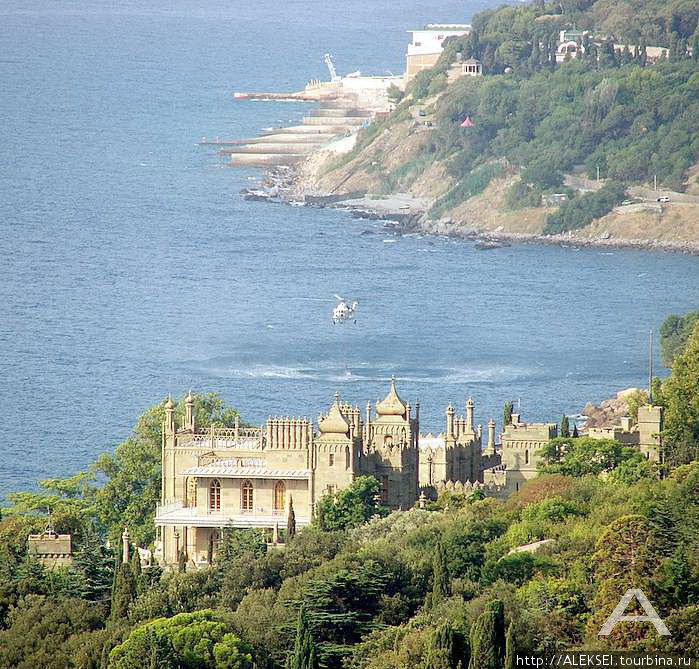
470	404
490	448
449	437
392	450
169	416
189	420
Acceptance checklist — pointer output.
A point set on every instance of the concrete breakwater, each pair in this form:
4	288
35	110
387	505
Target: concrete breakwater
332	120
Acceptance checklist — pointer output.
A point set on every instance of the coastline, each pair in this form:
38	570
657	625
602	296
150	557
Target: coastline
407	215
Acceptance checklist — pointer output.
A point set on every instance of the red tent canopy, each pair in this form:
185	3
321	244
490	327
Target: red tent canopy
468	123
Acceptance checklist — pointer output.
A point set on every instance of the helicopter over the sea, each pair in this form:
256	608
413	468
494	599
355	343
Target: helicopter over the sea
344	310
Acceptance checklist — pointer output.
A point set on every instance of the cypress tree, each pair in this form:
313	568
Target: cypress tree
440	654
291	521
565	426
304	656
441	581
136	571
510	648
124	592
575	431
488	638
182	561
507	413
695	49
643	54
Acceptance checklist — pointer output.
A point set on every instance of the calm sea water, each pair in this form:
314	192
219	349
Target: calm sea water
131	267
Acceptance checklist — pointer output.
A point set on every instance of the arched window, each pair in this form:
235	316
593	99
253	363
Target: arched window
347	457
279	496
526	457
215	495
246	496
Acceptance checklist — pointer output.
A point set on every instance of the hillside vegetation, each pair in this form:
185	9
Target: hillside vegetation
608	111
434	588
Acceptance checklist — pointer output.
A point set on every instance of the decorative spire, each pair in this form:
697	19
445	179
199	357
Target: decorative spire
334	422
189	411
392	404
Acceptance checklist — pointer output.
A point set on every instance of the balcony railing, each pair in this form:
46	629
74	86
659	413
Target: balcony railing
241	438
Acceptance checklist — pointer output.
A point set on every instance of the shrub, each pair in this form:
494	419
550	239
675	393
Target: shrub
582	210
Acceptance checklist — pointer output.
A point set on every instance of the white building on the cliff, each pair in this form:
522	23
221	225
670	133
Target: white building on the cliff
427	45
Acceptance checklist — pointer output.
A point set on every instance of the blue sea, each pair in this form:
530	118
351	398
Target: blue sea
132	267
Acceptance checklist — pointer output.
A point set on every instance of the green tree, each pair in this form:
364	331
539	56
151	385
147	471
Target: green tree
304	655
510	648
678	578
628	554
93	568
507	413
441	653
45	632
248	542
123	593
200	640
136	571
350	507
488	638
585	455
674	333
291	521
441	580
681	397
565	426
394	94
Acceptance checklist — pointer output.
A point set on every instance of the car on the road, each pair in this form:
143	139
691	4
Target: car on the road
664	198
626	203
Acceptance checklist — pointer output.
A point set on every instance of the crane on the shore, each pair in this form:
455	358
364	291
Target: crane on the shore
331	66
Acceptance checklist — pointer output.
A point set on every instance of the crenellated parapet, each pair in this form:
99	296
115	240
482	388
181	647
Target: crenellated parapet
490	488
288	433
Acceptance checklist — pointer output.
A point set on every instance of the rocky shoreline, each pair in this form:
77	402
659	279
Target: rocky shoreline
282	185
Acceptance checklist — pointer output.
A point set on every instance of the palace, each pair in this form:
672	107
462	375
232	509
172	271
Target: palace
250	477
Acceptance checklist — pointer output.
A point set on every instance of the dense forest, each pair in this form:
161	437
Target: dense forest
435	588
609	112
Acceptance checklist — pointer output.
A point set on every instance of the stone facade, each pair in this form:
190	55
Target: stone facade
247	477
453	455
517	455
645	434
51	549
